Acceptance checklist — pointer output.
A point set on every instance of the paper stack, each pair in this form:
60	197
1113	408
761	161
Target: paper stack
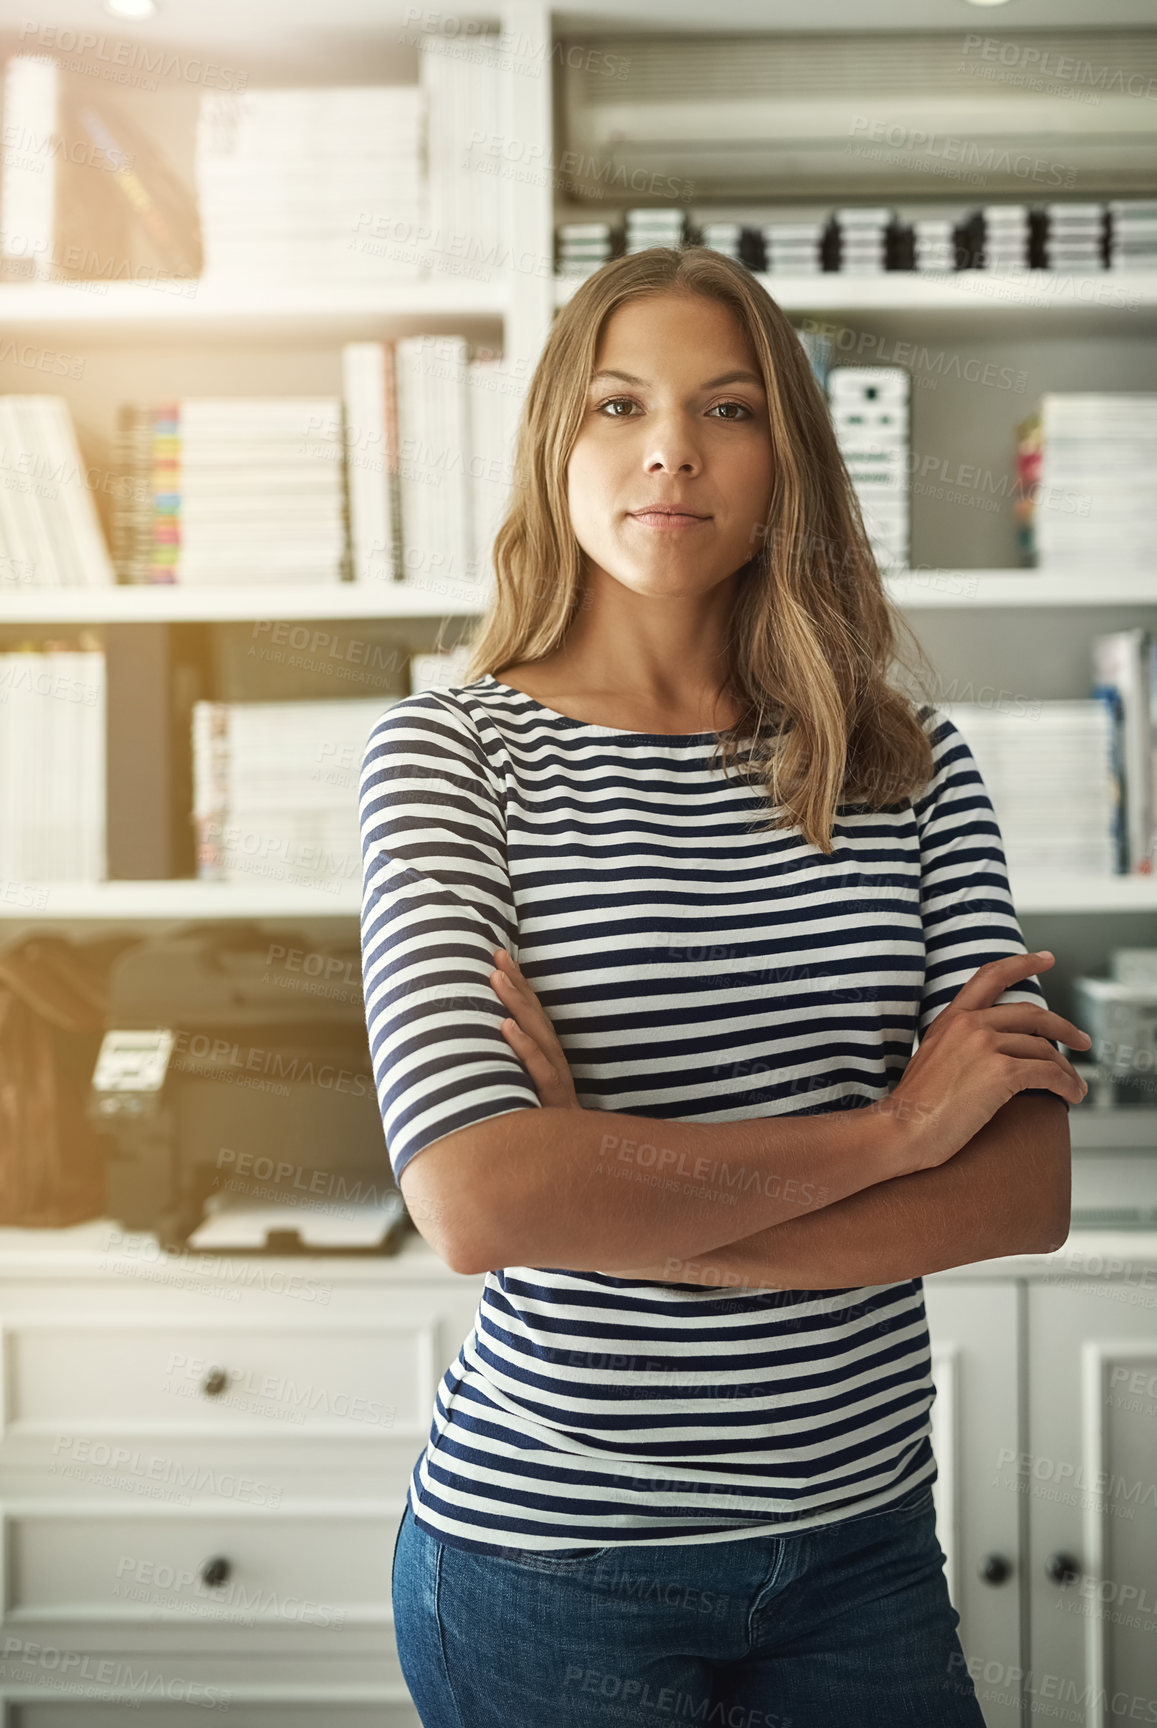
275	789
793	248
1096	507
1048	770
1132	234
655	226
1074	237
311	186
863	239
1006	236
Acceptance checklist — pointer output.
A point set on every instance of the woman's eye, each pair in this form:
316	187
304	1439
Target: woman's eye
745	412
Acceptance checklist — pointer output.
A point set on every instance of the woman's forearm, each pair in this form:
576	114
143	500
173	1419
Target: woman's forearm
584	1188
1005	1192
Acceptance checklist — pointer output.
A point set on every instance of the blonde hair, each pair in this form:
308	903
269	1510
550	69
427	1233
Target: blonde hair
812	633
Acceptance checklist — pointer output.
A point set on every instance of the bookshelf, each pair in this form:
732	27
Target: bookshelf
970	608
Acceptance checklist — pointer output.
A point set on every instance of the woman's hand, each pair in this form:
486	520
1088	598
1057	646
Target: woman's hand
975	1057
532	1037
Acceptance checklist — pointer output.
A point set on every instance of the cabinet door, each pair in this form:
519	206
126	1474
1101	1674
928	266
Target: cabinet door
1090	1481
976	1329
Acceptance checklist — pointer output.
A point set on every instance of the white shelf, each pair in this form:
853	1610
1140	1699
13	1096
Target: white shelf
172	603
1034	891
136	310
985	294
162	901
1065	891
917	590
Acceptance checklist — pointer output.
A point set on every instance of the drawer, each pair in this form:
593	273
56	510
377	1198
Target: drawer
300	1567
348	1378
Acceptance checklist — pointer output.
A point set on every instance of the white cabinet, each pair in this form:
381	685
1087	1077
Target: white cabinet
1047	1442
977	1370
1090	1482
199	1497
201	1484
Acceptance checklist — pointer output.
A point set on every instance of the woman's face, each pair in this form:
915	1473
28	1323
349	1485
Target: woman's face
675	414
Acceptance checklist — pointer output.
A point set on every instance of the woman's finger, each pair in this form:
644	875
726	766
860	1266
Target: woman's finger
551	1088
520	999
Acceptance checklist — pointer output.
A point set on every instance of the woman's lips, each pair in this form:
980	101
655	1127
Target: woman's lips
665	522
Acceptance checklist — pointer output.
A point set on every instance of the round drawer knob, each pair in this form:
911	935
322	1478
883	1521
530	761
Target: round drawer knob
214	1382
1062	1568
215	1572
995	1569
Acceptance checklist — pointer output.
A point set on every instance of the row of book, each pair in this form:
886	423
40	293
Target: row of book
1087	481
1115	234
52	767
312	186
404	477
1073	783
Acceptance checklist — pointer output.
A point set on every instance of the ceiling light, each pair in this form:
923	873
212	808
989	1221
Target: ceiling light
130	8
988	2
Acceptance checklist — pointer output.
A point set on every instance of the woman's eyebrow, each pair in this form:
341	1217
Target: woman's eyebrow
741	376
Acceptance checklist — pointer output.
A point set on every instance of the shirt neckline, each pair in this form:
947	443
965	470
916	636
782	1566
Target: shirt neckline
593	725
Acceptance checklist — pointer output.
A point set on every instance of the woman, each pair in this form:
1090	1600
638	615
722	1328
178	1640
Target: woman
655	906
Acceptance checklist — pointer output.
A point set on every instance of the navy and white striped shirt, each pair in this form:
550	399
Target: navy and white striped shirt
694	969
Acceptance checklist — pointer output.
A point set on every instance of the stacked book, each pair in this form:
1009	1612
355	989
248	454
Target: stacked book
1074	237
583	247
221	490
863	239
870	413
311	186
934	242
1048	770
1007	231
50	535
52	766
725	237
429	436
1132	234
793	248
655	227
1096	506
460	83
275	790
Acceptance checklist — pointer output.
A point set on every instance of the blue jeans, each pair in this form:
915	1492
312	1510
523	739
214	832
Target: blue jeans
848	1626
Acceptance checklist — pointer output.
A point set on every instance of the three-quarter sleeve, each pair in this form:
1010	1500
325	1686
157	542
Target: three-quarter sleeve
436	902
965	901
